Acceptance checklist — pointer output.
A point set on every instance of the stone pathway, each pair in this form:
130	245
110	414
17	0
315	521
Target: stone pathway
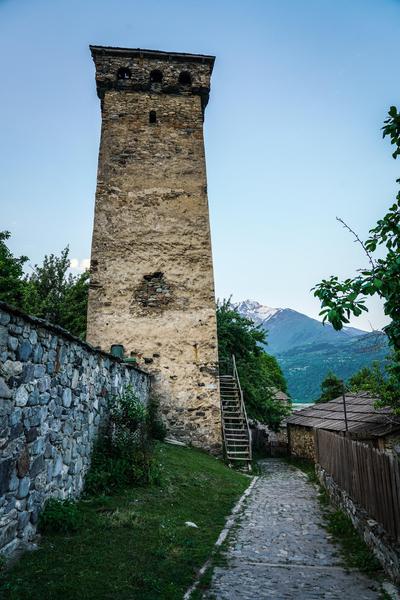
281	550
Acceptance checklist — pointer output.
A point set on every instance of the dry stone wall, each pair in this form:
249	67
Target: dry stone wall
385	548
53	399
301	442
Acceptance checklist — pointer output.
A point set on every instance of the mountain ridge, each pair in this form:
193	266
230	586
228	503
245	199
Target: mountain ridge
306	349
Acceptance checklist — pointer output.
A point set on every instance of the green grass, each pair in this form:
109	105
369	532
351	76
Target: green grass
353	549
135	544
304	465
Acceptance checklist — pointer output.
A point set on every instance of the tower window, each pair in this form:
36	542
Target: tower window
156	76
124	73
152	116
185	78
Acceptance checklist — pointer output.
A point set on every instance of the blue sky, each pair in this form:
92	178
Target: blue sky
299	93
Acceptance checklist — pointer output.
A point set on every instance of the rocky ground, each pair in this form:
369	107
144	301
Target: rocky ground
281	549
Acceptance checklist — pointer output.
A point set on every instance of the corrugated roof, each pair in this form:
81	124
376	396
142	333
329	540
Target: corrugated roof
362	417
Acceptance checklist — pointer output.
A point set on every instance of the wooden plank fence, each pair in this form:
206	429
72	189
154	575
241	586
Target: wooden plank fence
370	477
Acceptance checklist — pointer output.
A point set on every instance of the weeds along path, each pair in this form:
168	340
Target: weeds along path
281	549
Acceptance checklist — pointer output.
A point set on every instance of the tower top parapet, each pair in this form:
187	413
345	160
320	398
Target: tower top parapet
143	70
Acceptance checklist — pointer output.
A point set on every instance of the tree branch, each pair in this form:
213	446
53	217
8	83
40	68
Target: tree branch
357	239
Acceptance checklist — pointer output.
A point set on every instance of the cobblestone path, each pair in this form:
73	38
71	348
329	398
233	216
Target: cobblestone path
280	549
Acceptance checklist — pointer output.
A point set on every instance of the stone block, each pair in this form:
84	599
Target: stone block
12	368
4	318
23	487
33	338
37	466
38	446
21	397
23	520
5	391
39	371
8	533
14	481
67	398
38	353
27	372
12	343
33	399
3	336
58	464
75	379
11	548
15	431
6	469
24	351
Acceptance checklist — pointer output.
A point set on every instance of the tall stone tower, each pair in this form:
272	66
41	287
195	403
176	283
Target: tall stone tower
152	286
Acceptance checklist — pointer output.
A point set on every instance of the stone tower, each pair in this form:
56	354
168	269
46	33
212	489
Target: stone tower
152	286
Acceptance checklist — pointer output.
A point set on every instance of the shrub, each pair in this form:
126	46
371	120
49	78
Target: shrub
123	454
60	516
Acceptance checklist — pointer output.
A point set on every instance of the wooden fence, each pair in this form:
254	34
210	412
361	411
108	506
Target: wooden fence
370	477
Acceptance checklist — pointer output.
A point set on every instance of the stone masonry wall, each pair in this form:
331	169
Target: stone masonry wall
301	442
53	398
151	284
384	547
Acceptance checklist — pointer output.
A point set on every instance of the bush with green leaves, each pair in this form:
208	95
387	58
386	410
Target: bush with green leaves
60	516
124	452
129	419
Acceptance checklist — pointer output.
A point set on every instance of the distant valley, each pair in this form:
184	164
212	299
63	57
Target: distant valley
306	349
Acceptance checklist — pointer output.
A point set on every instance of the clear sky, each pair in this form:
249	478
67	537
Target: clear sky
299	92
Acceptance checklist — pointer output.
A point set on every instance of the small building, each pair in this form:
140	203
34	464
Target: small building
281	397
355	417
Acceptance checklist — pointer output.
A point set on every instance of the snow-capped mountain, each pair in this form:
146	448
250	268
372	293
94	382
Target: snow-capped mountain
306	349
258	313
287	328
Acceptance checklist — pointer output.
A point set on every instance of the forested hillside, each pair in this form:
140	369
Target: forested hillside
307	350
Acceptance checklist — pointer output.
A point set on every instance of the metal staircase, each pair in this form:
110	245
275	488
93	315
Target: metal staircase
235	426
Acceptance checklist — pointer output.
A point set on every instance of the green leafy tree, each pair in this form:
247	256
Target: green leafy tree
11	273
367	379
50	292
74	304
341	299
53	294
331	388
259	373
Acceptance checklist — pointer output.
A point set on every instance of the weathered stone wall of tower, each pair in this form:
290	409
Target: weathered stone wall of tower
152	284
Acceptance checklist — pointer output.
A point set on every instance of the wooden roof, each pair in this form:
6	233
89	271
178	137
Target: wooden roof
362	417
279	395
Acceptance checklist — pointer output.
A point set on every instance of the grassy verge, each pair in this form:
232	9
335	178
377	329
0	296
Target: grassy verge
304	465
354	551
135	544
